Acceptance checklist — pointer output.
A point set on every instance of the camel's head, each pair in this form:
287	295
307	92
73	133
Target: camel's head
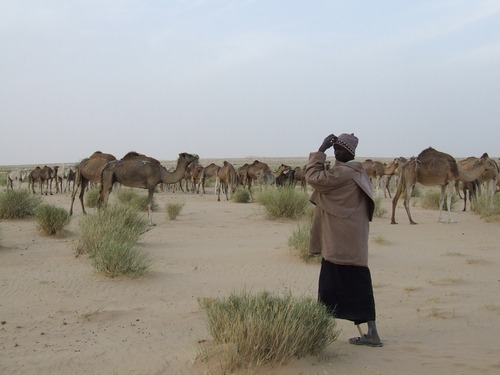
188	158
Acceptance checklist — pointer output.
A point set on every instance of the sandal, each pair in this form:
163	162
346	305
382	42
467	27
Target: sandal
364	340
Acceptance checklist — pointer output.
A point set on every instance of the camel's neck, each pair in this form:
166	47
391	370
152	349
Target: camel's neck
175	176
390	168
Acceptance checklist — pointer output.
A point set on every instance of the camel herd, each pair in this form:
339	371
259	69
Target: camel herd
429	168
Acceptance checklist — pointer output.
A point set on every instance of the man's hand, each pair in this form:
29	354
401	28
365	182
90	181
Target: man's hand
327	143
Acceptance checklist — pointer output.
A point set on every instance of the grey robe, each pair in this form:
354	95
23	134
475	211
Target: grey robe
344	207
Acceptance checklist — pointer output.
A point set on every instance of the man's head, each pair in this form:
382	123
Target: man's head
345	146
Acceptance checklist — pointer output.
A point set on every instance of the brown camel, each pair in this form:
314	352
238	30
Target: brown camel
226	179
41	176
89	170
140	171
283	169
210	171
429	168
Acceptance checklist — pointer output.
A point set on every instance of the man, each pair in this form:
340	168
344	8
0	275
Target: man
344	208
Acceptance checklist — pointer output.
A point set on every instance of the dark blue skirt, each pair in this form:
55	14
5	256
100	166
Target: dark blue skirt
347	292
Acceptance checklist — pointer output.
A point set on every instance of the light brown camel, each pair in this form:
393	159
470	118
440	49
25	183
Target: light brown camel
18	175
390	171
260	172
210	171
140	171
196	175
375	170
490	177
470	171
299	176
242	174
429	168
226	179
89	170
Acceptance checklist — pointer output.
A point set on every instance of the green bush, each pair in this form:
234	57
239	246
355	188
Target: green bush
109	238
133	198
241	195
249	331
173	210
18	204
430	200
51	219
117	257
285	202
92	197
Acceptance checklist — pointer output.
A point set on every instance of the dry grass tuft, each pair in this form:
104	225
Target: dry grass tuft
249	331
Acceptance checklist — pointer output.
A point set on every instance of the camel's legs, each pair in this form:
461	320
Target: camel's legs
82	192
150	202
406	203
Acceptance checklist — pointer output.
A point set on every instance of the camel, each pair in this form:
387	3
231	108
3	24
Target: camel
41	176
210	171
226	178
390	171
140	171
63	175
18	175
429	168
89	170
474	171
300	176
258	171
375	170
196	177
286	178
282	170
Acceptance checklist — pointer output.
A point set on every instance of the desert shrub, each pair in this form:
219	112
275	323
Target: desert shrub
51	219
430	200
285	202
92	197
252	330
299	240
241	195
379	210
17	204
486	208
133	198
109	238
173	210
116	257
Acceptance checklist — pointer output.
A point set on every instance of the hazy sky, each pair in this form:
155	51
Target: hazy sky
229	79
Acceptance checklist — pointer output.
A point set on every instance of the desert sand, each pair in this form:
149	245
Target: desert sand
436	289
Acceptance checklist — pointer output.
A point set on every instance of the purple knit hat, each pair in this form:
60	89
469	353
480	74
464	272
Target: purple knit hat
348	141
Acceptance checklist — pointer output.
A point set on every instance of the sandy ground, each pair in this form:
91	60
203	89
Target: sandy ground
436	289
